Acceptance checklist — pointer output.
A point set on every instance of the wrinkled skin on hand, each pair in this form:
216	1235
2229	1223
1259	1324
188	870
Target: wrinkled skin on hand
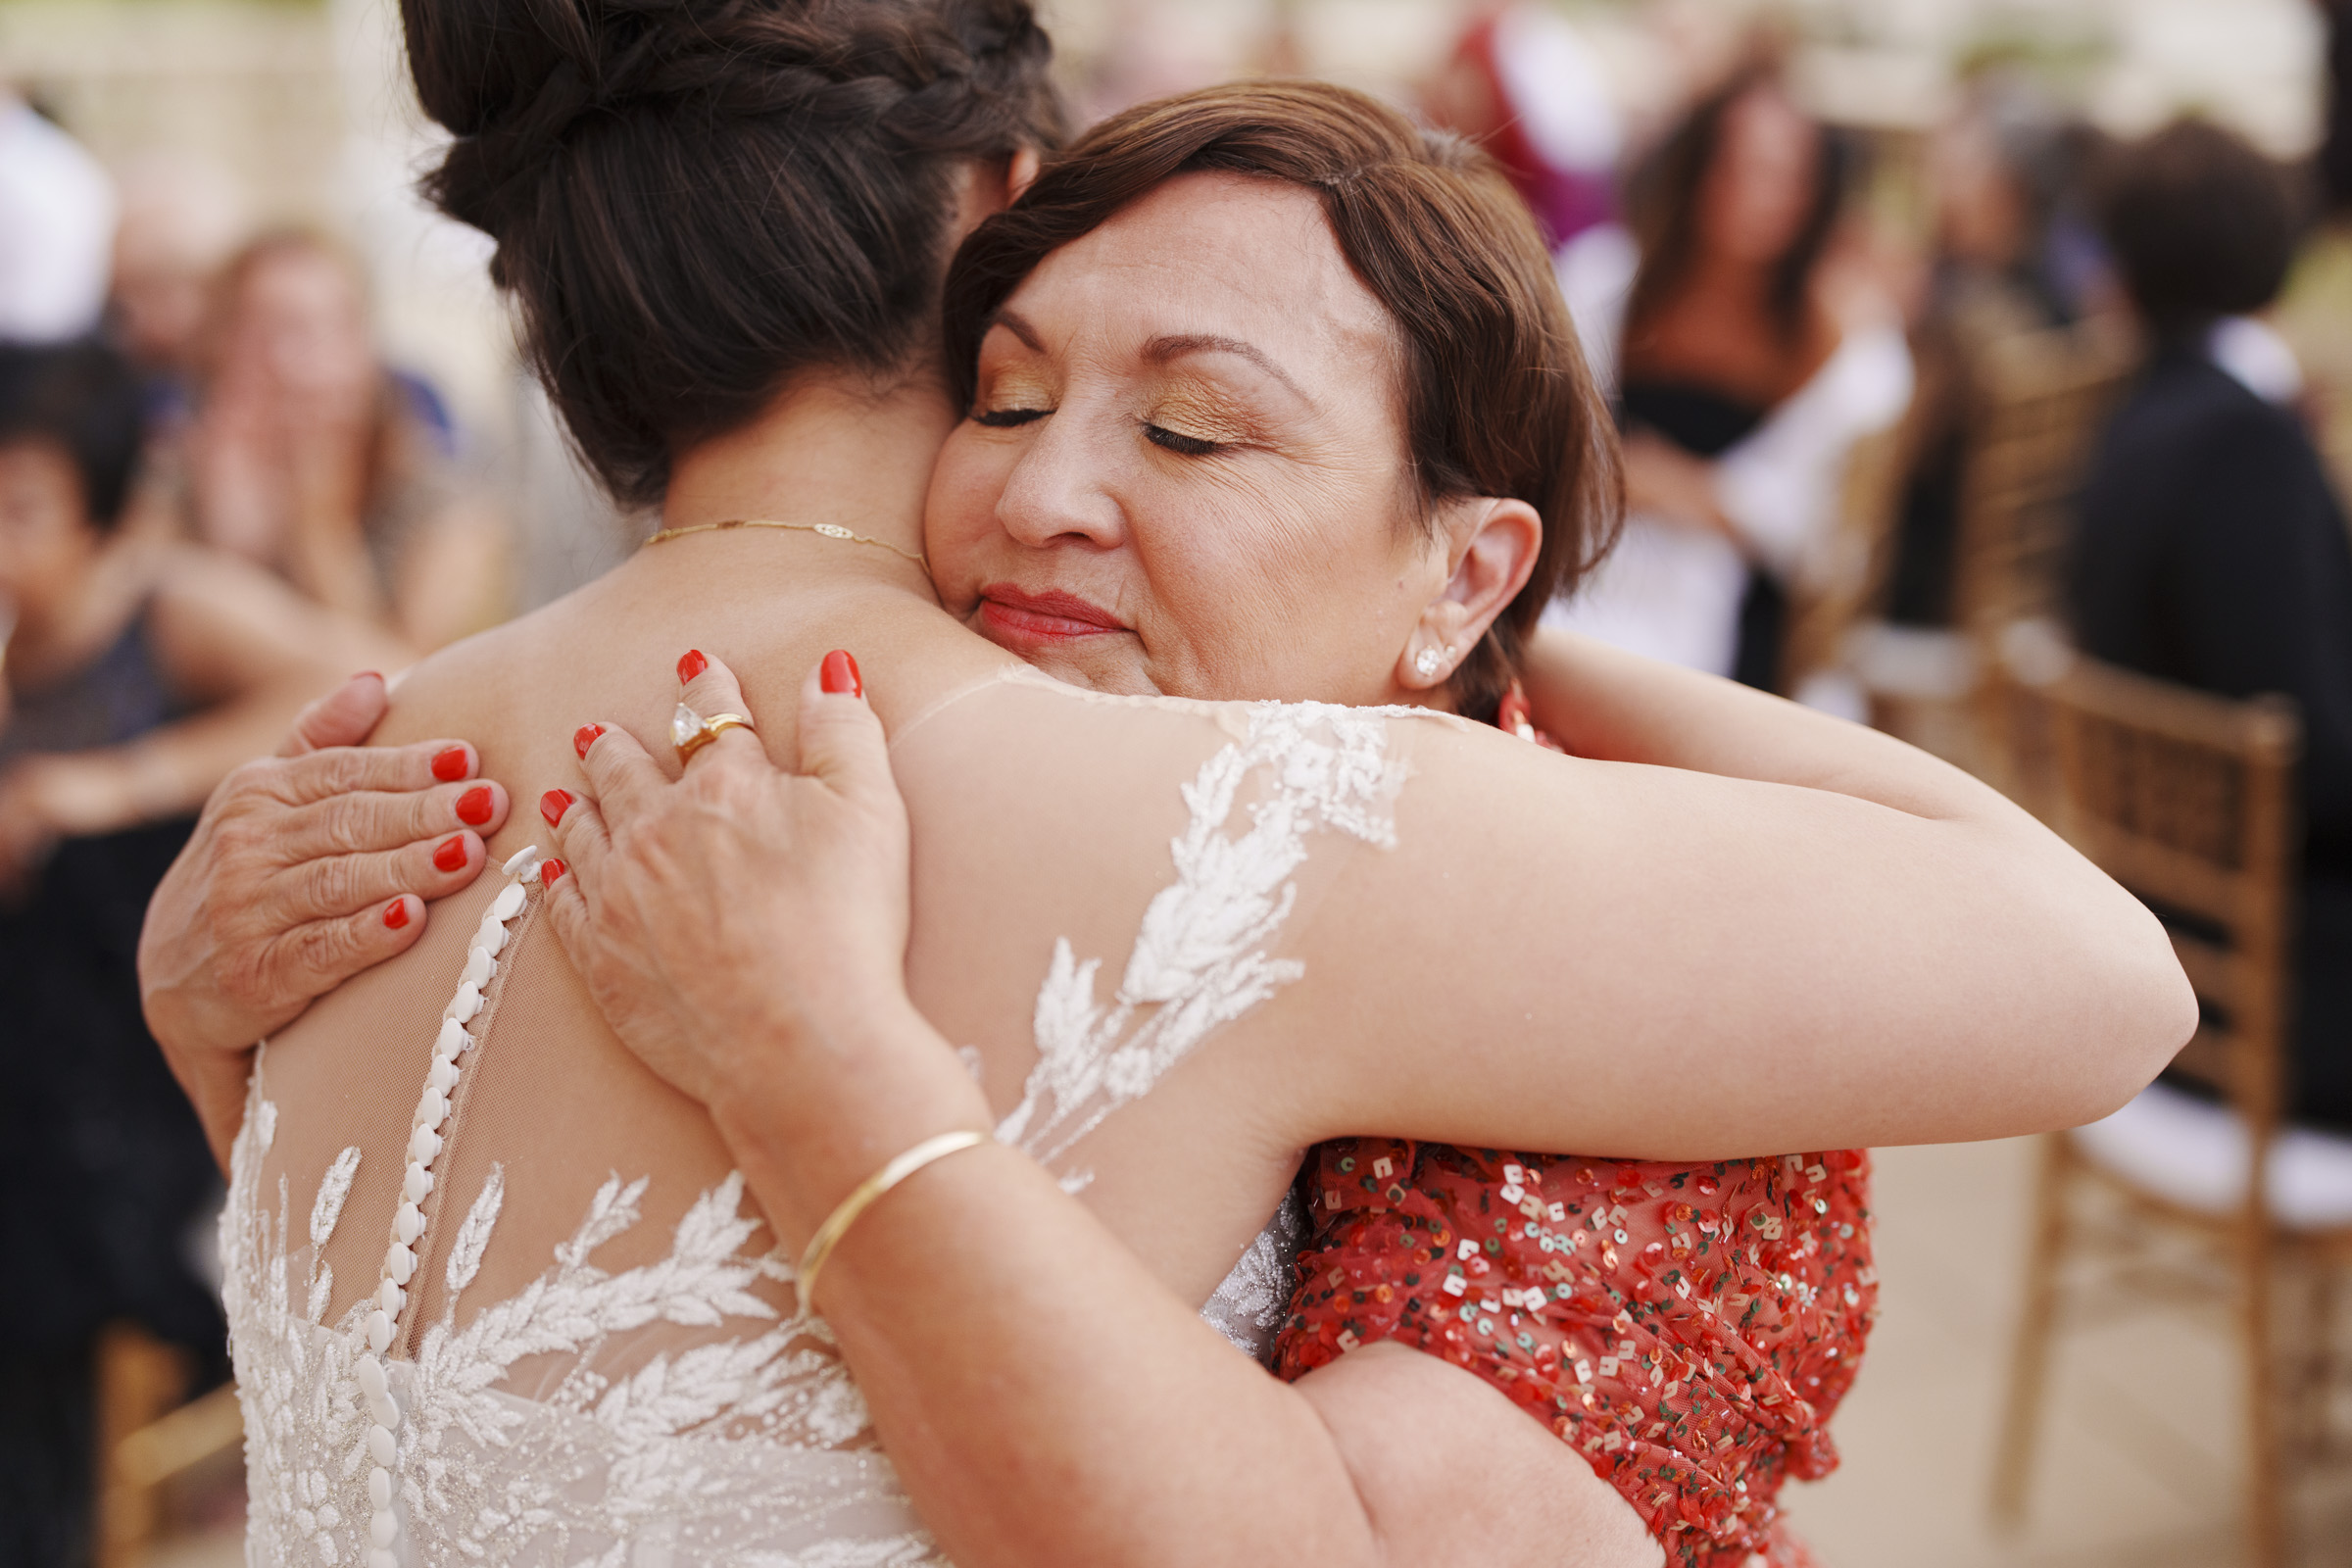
743	920
282	890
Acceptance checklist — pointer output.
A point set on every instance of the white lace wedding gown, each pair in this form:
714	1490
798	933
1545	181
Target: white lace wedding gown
522	1377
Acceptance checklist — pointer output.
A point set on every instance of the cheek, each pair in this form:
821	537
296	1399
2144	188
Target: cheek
1267	599
960	510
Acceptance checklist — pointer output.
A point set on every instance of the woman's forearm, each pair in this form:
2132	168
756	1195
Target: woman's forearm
1603	703
1047	1402
167	772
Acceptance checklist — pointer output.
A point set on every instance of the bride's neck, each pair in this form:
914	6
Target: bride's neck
829	449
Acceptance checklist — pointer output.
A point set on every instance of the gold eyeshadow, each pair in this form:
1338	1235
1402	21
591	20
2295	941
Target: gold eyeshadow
1204	412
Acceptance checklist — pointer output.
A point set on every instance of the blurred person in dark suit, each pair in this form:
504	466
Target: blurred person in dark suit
312	456
2211	548
138	673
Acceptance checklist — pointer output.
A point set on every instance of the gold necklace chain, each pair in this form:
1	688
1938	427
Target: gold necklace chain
831	530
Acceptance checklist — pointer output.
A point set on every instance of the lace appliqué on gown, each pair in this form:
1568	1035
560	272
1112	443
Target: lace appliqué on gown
756	1450
1200	958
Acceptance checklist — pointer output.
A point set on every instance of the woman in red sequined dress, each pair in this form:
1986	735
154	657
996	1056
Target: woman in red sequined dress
1006	1341
1688	1328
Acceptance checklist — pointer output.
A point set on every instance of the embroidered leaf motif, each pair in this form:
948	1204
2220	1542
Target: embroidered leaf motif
474	1236
333	1188
1199	956
537	1430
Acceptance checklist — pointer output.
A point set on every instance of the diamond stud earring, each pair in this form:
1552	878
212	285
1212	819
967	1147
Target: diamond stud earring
1429	660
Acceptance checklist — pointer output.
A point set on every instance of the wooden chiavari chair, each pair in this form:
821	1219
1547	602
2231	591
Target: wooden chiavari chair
2189	801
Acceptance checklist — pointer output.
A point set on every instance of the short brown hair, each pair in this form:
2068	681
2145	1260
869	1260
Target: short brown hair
2203	226
1497	399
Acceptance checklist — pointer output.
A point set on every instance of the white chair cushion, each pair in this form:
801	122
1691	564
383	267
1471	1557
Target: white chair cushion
2194	1154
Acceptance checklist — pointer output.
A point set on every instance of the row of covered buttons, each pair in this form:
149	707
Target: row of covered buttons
408	1221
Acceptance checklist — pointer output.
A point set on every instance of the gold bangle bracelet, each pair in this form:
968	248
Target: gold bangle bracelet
844	1213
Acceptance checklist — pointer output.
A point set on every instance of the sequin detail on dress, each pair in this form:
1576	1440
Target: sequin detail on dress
754	1449
1688	1329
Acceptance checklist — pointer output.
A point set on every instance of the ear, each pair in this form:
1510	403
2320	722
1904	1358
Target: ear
1020	174
1493	543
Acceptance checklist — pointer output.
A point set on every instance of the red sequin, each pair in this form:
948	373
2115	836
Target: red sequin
1688	1328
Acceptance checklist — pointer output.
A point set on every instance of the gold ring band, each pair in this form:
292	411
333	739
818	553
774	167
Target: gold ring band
690	731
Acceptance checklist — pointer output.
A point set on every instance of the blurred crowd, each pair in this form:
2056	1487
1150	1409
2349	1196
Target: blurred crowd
218	497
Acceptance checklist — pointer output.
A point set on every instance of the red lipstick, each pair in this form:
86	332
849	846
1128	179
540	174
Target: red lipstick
1015	616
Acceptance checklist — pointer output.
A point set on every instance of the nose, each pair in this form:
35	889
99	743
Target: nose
1060	490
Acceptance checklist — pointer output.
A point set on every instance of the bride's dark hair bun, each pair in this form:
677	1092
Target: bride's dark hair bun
694	200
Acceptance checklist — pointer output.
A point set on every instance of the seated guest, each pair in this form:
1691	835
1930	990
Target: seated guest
137	674
2211	548
310	455
2010	258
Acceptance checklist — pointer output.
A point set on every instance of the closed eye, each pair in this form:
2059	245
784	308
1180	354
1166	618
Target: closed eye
1189	446
1006	419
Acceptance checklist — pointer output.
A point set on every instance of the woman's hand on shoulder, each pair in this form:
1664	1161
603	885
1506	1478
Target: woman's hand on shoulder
744	928
304	869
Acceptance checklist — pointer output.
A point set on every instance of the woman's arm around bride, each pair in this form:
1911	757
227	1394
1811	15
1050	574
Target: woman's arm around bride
1045	1398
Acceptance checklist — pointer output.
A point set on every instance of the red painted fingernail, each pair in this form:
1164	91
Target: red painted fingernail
693	664
473	807
549	870
554	804
449	855
839	676
396	913
585	737
449	766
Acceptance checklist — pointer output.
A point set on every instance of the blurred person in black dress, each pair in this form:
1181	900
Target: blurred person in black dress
138	673
1751	364
2211	547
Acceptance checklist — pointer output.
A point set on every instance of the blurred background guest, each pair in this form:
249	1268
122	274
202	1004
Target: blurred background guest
182	219
309	455
138	673
1525	85
2211	547
2011	254
1746	377
57	218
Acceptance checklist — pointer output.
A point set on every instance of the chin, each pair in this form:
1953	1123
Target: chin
1119	676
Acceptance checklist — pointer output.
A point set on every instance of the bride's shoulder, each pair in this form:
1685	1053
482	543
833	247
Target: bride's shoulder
477	678
990	693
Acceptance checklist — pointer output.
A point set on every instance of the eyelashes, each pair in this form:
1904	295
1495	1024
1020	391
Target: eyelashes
1189	446
1006	419
1167	440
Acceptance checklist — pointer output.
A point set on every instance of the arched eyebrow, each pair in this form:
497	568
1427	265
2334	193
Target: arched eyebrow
1011	321
1160	350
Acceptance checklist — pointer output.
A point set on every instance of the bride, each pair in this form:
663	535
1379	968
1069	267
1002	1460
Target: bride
648	1393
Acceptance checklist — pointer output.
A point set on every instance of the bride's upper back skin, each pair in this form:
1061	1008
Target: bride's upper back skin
1412	926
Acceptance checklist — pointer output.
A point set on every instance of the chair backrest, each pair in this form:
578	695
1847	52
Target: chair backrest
2188	800
1844	578
2046	395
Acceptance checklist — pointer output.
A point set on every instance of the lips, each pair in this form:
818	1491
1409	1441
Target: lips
1014	615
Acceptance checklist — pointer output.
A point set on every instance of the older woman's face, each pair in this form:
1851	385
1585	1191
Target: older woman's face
1184	471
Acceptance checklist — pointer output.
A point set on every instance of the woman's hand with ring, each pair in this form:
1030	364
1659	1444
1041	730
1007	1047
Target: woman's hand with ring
744	928
305	869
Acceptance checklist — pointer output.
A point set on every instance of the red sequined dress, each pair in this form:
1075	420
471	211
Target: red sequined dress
1689	1328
